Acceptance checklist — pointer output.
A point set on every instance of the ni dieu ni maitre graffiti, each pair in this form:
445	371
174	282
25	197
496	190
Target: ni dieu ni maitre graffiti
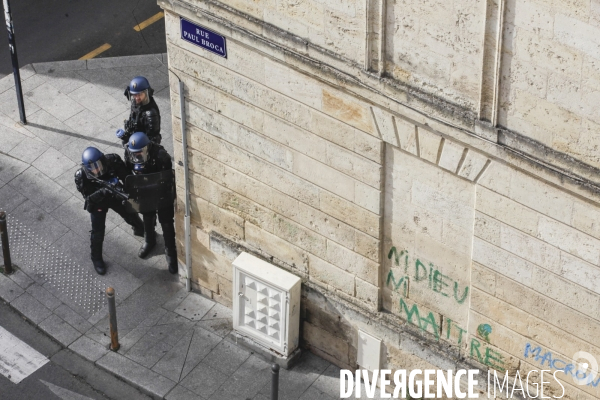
416	271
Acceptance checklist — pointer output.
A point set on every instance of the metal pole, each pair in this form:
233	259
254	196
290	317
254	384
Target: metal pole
275	382
186	177
5	249
12	45
112	313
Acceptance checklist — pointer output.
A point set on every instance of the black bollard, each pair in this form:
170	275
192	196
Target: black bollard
275	382
5	249
112	315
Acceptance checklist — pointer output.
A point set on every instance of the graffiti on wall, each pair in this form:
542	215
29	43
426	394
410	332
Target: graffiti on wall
413	270
416	271
478	349
571	369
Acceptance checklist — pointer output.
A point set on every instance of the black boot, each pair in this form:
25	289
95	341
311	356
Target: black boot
136	223
171	256
148	245
96	246
170	247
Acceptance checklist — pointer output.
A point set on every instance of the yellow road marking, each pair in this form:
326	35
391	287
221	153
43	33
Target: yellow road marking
149	21
94	53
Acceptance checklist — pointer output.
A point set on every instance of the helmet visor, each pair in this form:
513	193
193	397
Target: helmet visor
139	157
96	168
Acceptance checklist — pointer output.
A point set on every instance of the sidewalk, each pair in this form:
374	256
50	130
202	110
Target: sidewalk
174	344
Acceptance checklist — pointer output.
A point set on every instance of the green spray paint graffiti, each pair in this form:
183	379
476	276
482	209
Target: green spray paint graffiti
437	281
477	350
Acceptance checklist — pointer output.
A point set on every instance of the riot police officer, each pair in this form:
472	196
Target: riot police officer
144	115
146	157
99	181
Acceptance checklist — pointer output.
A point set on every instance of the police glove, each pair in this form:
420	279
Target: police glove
120	133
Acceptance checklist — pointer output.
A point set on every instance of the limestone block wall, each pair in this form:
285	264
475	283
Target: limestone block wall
550	75
458	245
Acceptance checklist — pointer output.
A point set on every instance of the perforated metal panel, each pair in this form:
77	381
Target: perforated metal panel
71	281
266	307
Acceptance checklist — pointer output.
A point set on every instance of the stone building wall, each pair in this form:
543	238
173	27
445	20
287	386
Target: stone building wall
444	200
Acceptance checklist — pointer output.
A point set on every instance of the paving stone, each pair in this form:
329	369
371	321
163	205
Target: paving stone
298	379
32	83
72	318
226	357
73	216
204	380
53	163
21	278
247	381
136	374
128	340
181	393
94	129
174	301
10	168
123	250
109	80
219	311
194	307
329	381
31	308
51	68
172	363
40	190
50	99
313	394
98	336
88	348
138	306
59	330
9	139
99	102
65	81
201	345
10	107
10	198
49	128
67	181
220	327
47	228
44	296
14	125
117	62
9	290
158	341
29	149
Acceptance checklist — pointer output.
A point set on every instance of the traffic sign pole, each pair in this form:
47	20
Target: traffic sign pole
15	61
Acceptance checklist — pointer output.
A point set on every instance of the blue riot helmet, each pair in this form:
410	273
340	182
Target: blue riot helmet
137	149
138	85
94	161
139	88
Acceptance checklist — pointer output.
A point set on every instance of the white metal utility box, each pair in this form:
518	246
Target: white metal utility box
266	303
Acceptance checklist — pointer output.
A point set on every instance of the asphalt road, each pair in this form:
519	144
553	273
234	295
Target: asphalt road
60	30
65	376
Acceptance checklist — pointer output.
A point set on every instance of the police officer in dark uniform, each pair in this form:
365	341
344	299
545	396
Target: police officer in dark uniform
144	116
99	181
145	157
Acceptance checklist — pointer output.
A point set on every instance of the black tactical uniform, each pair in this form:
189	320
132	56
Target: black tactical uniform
143	118
98	200
158	160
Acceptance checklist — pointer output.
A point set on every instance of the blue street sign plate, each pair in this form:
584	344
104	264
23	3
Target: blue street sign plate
205	38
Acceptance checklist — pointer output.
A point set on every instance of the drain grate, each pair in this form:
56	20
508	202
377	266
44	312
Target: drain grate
76	283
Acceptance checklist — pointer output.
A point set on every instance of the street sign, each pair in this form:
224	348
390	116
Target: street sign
205	38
